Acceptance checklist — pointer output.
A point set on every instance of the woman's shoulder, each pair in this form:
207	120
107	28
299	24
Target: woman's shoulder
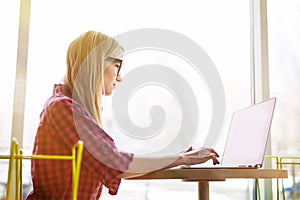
61	103
59	99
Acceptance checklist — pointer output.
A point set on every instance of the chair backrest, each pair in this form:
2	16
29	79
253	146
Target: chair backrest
75	157
14	180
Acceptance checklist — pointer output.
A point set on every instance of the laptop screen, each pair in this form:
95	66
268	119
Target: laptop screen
248	135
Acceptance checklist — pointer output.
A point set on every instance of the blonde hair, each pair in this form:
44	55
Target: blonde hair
85	69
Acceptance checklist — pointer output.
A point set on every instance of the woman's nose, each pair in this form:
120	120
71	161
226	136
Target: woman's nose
119	78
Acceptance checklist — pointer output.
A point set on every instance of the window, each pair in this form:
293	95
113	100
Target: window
284	73
218	27
284	62
9	19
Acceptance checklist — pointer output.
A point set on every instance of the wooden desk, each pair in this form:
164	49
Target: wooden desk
204	175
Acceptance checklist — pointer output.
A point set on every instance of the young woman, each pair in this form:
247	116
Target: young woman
73	113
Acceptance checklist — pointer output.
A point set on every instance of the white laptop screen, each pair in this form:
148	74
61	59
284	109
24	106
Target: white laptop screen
248	135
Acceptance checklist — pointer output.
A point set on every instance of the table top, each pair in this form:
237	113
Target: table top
212	174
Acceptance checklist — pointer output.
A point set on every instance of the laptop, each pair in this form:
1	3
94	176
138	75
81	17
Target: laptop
247	137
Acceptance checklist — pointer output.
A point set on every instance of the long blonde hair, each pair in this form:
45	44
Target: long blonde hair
85	69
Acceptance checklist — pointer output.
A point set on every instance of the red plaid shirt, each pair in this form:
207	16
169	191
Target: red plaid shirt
62	123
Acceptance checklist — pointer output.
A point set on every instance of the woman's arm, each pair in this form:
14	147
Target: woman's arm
144	165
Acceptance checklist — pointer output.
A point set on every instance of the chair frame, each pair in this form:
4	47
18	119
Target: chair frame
287	160
279	162
15	167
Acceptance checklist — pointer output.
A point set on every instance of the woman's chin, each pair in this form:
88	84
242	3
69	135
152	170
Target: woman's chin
108	93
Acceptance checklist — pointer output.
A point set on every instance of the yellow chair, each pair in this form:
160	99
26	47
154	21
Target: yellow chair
14	182
13	186
289	160
279	162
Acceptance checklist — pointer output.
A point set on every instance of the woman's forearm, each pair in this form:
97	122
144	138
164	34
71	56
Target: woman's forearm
144	165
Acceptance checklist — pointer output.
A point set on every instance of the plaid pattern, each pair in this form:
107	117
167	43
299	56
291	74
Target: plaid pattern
62	123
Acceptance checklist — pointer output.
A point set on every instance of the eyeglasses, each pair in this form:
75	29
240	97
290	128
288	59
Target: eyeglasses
118	73
110	59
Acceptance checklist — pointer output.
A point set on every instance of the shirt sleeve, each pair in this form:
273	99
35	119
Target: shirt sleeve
100	155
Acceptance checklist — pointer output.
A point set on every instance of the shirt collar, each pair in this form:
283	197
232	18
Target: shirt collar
61	89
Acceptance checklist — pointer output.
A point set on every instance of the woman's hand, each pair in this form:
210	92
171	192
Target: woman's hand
197	156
